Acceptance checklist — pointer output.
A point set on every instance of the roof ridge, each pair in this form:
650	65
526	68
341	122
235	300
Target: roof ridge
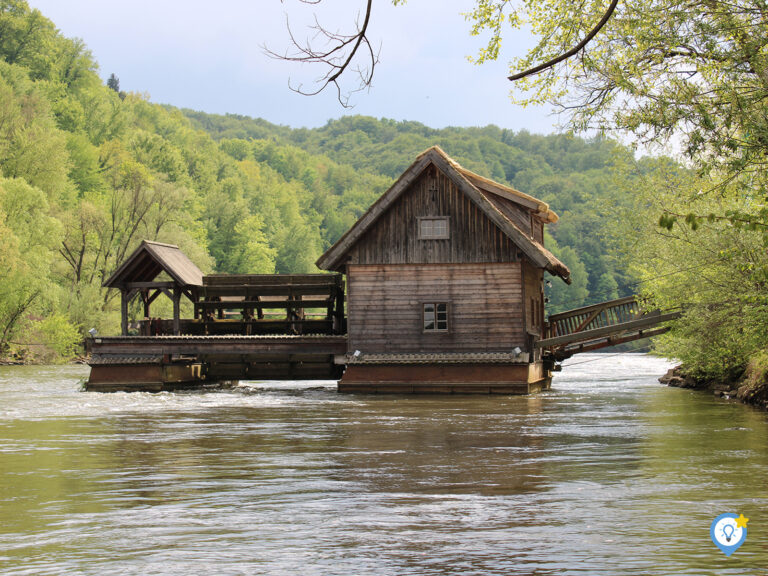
542	206
156	243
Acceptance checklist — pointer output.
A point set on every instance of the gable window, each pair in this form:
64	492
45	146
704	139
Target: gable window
435	317
434	228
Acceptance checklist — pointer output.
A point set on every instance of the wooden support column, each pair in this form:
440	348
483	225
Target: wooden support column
176	310
124	311
338	327
145	299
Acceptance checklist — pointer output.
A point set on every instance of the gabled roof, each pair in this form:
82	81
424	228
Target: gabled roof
152	258
478	189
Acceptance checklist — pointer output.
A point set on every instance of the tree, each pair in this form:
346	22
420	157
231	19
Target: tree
113	83
337	53
28	238
695	71
659	69
717	275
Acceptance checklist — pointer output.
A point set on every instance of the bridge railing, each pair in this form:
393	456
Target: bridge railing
601	315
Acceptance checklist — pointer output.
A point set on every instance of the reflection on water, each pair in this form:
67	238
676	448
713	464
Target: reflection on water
609	473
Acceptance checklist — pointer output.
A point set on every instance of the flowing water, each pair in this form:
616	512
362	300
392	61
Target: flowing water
608	473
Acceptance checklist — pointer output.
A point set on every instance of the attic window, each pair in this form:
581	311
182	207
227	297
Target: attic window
434	228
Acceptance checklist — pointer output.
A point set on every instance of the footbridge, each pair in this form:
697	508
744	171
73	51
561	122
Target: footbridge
600	325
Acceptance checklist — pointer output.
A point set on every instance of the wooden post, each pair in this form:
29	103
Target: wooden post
339	320
145	299
176	311
124	311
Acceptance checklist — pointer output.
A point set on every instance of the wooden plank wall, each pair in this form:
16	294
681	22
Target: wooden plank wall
534	303
394	238
386	301
534	298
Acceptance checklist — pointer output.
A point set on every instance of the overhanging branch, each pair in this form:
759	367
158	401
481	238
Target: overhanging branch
337	55
573	51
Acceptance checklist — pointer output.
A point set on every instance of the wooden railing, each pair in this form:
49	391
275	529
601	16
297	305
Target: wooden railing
288	303
592	317
600	325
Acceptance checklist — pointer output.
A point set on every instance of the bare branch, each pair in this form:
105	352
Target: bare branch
573	51
336	53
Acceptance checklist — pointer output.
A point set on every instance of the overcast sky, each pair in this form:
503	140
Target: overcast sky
208	56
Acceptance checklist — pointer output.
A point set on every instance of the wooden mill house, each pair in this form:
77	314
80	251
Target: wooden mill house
444	293
445	284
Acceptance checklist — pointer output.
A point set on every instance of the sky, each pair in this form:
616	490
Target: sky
210	56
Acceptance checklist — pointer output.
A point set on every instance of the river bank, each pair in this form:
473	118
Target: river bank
751	388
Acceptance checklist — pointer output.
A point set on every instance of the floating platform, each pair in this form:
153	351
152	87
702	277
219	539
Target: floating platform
165	363
168	363
480	373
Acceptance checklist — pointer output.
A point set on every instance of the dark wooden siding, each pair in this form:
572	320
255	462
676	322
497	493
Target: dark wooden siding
394	238
538	230
533	296
385	308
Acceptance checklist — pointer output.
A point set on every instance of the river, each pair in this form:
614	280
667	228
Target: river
608	473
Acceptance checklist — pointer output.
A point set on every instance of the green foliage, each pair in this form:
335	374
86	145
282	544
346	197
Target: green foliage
717	274
113	83
61	338
561	296
28	238
694	74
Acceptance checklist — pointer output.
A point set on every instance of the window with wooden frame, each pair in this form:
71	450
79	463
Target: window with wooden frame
435	317
434	228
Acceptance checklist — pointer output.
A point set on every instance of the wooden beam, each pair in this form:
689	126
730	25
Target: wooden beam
210	345
143	285
124	312
565	353
176	311
145	298
339	310
644	322
263	304
225	280
154	296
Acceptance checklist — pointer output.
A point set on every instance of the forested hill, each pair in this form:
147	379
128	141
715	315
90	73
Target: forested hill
575	176
88	171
